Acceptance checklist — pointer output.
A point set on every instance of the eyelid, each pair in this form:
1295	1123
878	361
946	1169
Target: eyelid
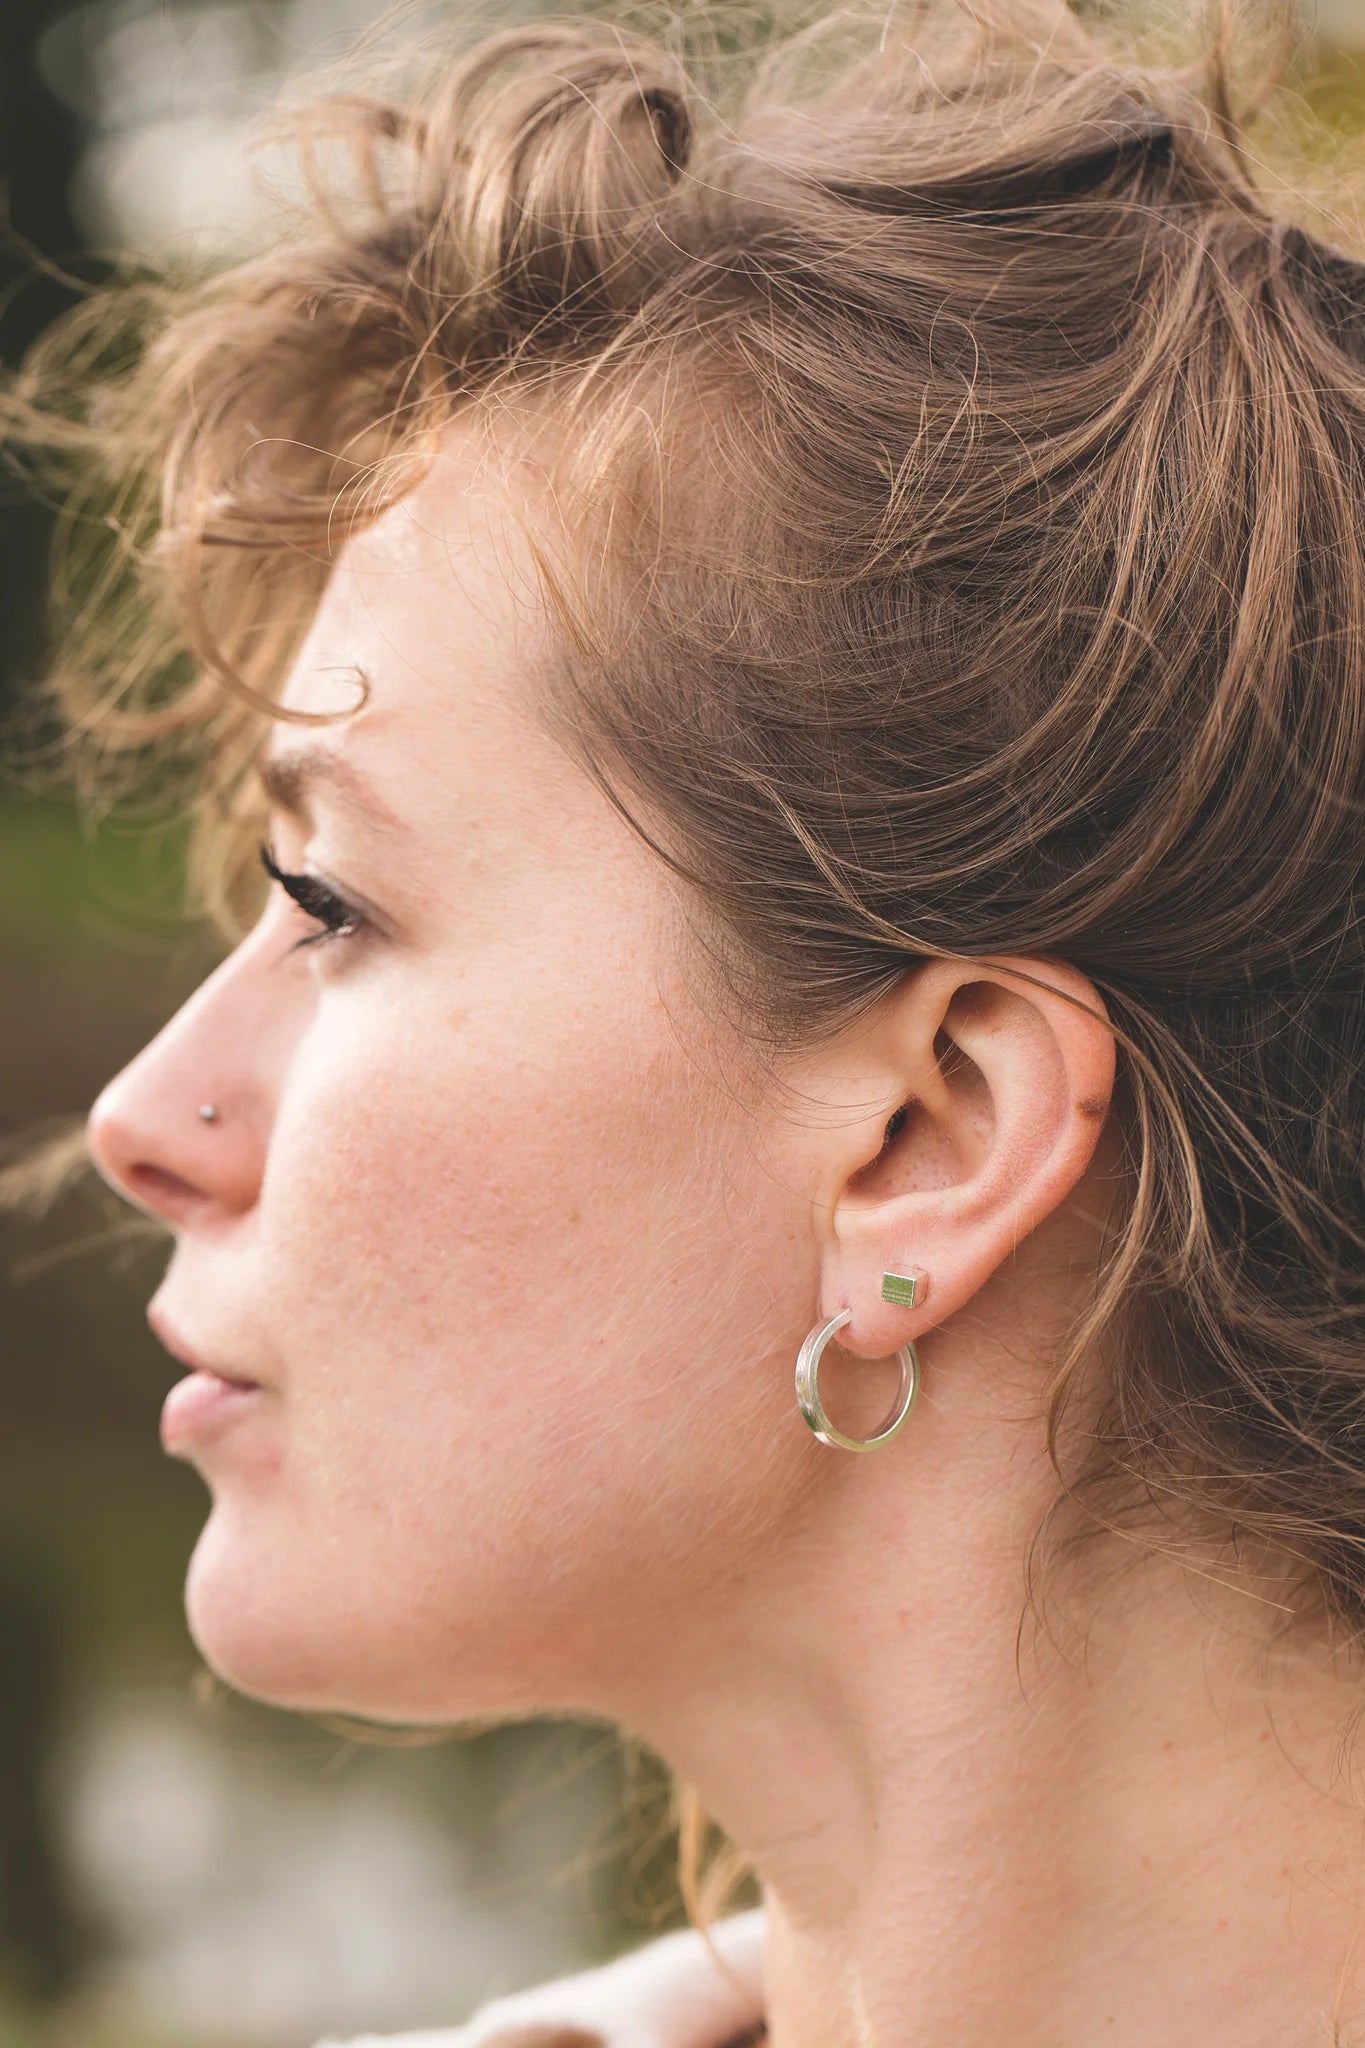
337	913
352	898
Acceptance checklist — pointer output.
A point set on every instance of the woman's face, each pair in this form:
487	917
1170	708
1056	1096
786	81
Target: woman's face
519	1269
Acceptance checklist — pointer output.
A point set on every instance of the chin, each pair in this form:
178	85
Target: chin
255	1632
276	1636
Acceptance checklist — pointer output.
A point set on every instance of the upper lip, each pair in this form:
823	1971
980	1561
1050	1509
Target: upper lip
178	1348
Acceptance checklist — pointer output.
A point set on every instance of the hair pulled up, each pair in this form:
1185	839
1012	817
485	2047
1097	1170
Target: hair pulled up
971	536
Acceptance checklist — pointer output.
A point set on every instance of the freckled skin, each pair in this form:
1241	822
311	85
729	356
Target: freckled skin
472	1210
523	1253
519	1246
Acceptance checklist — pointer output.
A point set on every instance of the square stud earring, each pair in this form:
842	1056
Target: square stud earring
906	1290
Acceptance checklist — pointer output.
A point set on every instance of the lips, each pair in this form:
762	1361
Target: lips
173	1342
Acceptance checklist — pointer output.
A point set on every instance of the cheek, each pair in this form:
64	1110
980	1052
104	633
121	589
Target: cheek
529	1319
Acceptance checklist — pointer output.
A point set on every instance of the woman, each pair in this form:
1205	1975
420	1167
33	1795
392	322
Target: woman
781	1163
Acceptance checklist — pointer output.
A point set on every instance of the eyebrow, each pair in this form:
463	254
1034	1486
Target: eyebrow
289	781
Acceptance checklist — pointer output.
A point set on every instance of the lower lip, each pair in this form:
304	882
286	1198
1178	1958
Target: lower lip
201	1407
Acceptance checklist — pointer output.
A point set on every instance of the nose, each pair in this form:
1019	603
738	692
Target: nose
145	1132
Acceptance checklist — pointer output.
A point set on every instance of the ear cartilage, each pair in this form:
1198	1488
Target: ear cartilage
906	1290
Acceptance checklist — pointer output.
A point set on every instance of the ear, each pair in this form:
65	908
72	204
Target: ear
990	1083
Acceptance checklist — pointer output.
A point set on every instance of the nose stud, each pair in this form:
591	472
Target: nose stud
209	1112
906	1290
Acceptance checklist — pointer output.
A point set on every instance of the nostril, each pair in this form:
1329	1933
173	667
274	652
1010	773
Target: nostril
159	1189
163	1198
114	1150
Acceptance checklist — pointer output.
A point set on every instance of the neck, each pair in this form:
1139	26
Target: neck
1141	1831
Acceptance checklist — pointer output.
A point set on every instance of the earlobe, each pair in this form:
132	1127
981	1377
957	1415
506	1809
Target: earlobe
1005	1071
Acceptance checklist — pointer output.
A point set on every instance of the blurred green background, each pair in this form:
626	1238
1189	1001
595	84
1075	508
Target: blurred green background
177	1868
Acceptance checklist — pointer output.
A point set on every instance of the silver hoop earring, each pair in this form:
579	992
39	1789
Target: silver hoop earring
813	1408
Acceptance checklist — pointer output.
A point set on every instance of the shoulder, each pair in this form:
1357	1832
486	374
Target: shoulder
672	1993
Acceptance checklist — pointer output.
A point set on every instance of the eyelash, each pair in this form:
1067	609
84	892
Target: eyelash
338	918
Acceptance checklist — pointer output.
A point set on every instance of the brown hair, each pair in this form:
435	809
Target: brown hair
993	581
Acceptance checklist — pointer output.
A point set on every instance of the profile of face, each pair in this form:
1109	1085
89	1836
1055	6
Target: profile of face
518	1258
470	1211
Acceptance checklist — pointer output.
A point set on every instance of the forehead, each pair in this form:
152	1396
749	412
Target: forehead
439	597
438	608
429	653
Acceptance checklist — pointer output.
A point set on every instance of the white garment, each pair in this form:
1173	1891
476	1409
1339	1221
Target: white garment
668	1994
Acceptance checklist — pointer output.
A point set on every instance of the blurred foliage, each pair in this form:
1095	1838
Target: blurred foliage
39	146
122	885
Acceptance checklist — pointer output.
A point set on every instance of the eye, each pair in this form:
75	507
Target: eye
337	918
